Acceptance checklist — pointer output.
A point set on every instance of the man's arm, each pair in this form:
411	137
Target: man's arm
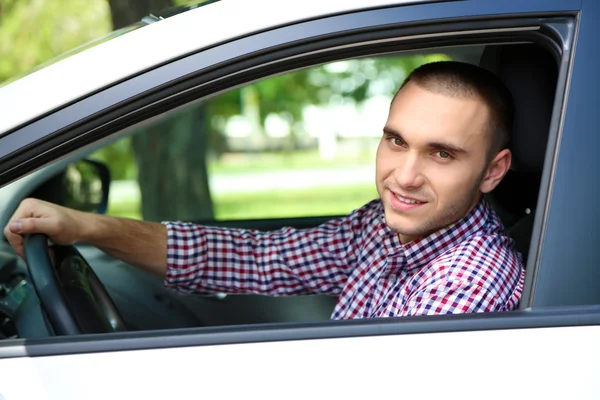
210	259
204	260
143	244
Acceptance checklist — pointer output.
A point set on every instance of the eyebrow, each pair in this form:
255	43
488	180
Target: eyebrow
433	145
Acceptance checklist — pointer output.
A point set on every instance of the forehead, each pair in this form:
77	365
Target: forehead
422	115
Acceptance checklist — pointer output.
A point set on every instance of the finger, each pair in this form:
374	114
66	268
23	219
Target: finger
15	241
26	226
27	208
15	227
12	232
20	250
7	230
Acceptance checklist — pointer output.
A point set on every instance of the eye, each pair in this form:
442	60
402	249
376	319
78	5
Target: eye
396	141
444	155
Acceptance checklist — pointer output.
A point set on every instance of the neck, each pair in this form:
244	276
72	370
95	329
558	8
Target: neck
405	239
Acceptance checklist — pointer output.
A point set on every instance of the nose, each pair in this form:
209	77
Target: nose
409	174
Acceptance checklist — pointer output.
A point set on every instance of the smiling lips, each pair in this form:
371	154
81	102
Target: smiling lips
404	203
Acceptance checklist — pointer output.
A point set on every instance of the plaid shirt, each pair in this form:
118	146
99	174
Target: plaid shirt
470	266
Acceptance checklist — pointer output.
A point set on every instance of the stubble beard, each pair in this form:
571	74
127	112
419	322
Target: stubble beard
451	214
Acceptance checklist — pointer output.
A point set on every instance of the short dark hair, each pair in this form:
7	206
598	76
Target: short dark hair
459	79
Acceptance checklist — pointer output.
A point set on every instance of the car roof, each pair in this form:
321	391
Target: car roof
72	78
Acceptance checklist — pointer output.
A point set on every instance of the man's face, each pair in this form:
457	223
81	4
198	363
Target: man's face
431	160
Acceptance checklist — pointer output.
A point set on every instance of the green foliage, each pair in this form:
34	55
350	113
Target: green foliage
334	83
119	158
35	31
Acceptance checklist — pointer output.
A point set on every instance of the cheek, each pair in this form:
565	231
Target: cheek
451	181
384	162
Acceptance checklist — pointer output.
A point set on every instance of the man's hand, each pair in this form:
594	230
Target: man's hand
62	225
143	244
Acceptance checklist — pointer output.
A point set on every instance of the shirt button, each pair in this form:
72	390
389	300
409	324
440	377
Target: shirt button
392	277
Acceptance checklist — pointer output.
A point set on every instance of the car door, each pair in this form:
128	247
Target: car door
548	348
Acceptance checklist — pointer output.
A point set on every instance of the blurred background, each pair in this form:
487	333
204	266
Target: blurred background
294	145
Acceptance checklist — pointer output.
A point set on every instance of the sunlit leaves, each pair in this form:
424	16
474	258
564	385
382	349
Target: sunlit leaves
34	31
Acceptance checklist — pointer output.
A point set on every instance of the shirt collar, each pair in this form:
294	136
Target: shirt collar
421	252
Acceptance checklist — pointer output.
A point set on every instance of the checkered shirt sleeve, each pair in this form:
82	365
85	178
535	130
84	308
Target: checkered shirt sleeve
289	261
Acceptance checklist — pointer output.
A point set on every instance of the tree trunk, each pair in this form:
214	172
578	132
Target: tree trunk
125	12
171	154
172	174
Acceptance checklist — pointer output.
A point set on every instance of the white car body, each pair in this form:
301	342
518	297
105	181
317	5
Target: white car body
448	365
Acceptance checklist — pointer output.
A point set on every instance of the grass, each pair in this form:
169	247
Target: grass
274	203
293	203
306	202
295	160
126	208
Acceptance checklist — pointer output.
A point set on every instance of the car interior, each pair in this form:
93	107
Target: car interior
529	70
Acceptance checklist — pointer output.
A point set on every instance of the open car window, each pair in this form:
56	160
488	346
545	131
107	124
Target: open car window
300	144
294	148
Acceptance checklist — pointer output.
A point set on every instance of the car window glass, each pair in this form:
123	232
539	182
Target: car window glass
300	144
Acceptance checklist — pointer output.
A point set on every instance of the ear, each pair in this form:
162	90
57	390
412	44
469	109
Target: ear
498	167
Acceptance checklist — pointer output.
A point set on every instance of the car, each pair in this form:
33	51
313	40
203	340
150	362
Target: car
94	327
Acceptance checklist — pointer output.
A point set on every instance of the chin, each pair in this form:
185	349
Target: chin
398	223
408	226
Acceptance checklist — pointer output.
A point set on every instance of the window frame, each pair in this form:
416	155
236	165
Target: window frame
165	94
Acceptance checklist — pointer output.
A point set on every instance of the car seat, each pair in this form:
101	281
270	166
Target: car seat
530	73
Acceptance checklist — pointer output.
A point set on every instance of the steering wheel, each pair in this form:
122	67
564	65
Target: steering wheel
72	297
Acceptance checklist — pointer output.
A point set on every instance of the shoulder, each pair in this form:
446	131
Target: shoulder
488	260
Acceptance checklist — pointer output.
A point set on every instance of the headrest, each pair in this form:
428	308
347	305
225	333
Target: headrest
530	73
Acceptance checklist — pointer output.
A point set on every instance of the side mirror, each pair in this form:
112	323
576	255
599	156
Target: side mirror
86	184
83	185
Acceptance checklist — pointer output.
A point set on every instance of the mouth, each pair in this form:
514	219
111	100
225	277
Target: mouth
407	200
404	203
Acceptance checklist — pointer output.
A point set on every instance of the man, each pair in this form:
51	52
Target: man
430	245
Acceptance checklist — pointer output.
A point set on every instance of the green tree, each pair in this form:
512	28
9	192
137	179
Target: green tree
170	155
33	31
